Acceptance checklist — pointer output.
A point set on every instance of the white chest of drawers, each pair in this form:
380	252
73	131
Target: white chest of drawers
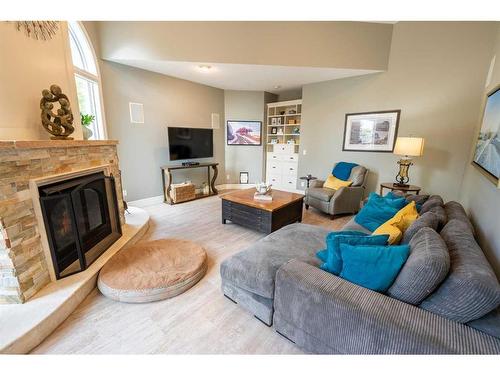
281	167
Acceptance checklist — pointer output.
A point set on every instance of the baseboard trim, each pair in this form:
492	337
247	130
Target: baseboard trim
141	203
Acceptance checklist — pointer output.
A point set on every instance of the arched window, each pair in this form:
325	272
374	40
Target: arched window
87	78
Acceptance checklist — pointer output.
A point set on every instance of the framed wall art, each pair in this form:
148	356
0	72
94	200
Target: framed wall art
371	131
487	151
244	133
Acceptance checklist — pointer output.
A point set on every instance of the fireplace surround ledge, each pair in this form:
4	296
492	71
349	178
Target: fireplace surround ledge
24	326
54	144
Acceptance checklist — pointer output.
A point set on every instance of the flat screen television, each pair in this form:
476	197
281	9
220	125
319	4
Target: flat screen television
190	143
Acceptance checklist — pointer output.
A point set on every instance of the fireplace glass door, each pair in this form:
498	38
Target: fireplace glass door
81	220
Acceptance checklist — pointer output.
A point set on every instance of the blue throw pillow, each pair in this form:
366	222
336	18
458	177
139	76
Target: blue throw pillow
342	170
333	262
323	254
378	210
372	267
391	195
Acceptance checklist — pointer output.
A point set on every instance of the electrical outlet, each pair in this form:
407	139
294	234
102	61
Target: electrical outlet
304	152
124	193
302	183
228	177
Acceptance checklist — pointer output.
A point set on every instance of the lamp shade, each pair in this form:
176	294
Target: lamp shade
409	146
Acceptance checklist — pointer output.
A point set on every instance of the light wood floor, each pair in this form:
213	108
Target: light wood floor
199	321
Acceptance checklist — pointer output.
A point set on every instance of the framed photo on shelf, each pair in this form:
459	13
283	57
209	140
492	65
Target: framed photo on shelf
371	131
244	133
278	121
273	121
243	177
487	151
274	130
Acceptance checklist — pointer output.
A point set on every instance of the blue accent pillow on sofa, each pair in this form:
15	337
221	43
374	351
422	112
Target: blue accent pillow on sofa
323	254
372	267
333	262
378	210
391	195
342	170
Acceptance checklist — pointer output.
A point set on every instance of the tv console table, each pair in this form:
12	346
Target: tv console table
166	176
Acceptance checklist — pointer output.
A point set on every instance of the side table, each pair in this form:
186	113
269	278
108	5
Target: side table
392	187
308	179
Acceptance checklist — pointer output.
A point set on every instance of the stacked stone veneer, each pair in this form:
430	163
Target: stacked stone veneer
23	267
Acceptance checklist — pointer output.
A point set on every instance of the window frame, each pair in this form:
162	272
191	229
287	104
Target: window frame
90	76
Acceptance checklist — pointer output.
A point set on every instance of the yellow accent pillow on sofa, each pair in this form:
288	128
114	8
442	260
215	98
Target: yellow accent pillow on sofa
392	230
406	216
334	183
399	223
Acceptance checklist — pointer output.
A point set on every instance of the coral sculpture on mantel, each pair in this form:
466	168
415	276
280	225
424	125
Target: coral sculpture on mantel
59	124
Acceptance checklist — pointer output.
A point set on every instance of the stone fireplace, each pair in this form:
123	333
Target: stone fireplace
61	206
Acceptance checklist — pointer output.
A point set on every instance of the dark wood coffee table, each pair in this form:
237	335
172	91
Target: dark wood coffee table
240	208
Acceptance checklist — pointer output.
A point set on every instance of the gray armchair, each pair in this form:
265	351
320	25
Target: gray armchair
346	200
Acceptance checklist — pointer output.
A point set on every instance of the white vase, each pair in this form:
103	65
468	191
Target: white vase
87	133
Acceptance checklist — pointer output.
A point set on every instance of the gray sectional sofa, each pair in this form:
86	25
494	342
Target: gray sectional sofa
445	299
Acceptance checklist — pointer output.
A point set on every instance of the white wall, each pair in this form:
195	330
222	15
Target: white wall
245	105
168	101
27	66
351	45
479	194
436	77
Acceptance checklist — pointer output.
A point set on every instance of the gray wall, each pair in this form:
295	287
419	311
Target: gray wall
245	105
168	101
479	195
436	77
351	45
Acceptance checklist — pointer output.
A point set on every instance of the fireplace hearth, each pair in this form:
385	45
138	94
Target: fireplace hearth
81	219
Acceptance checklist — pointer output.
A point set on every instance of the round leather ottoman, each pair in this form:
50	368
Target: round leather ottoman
152	271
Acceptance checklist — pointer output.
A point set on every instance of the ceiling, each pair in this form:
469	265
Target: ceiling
270	78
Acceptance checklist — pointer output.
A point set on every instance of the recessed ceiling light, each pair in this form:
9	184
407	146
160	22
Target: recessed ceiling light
204	68
277	87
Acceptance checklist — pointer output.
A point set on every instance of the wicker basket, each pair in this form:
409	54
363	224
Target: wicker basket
182	192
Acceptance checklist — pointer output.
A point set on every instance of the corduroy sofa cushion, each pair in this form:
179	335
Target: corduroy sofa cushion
254	269
455	210
427	220
471	290
426	267
433	201
441	215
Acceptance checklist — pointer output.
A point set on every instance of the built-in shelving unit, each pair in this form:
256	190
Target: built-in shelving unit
283	123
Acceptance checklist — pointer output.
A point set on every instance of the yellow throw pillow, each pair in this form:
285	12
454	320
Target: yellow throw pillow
406	216
392	230
399	223
334	183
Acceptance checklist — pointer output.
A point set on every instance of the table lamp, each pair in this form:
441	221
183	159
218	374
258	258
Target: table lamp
407	147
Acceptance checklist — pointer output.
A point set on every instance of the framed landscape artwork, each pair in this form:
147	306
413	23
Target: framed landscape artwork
487	152
244	133
371	131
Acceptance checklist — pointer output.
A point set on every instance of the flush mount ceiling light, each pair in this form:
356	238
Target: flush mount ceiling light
277	87
204	68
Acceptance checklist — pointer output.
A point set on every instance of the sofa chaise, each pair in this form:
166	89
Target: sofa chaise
278	280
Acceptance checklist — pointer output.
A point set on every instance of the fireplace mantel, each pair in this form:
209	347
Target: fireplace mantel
54	144
22	259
